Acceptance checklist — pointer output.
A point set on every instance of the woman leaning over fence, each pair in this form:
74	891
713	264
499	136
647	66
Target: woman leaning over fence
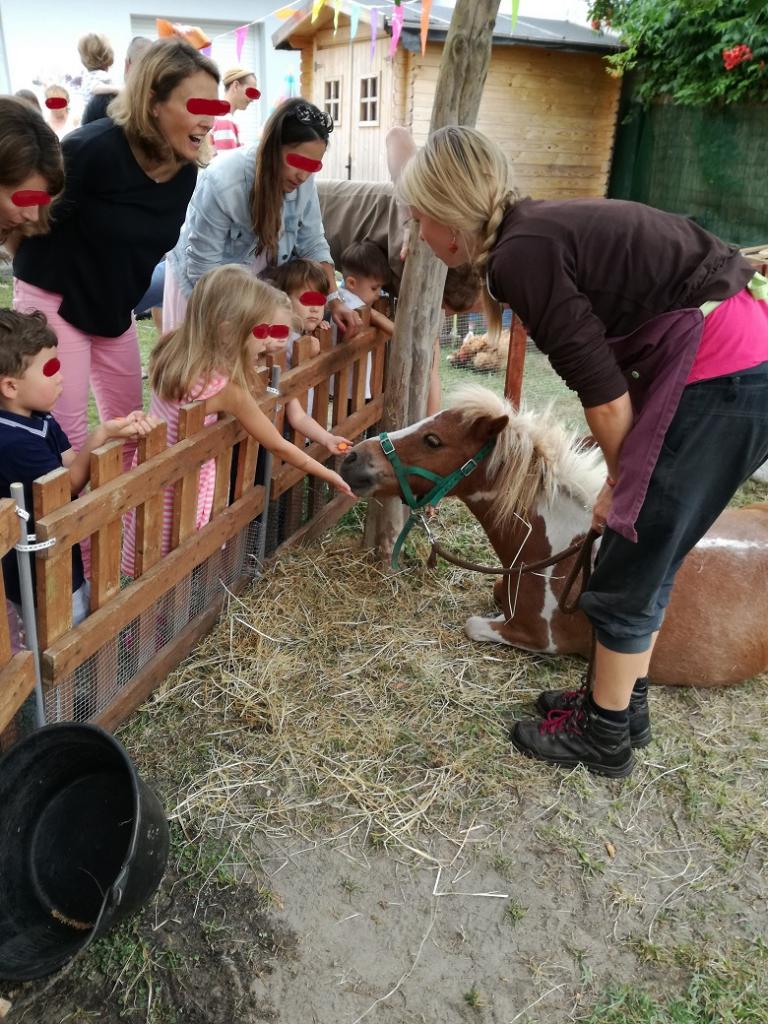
128	183
31	171
258	207
659	328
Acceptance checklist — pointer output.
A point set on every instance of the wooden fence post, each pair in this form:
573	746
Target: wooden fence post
54	579
106	464
459	88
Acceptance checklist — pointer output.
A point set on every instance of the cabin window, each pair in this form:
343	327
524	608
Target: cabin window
369	99
332	100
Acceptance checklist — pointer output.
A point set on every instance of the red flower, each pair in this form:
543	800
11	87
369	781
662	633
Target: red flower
735	56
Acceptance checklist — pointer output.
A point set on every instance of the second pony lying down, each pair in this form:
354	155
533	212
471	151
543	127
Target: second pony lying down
540	475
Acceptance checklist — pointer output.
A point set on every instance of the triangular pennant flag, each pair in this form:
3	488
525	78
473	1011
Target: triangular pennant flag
397	27
240	37
354	20
189	33
515	9
284	13
374	30
426	7
317	6
336	9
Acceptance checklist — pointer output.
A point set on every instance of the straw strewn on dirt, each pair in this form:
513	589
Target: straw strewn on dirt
338	699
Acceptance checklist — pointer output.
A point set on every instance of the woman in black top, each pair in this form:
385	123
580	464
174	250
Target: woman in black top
662	330
31	170
128	183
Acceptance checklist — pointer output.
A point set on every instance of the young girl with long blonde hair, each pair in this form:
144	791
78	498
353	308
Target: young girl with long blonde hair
212	357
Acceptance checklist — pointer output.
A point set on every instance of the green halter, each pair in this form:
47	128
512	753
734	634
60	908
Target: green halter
443	484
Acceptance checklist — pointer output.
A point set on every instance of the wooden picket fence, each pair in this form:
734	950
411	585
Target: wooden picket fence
17	672
138	631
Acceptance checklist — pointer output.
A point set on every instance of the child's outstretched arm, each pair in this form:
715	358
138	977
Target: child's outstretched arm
310	428
382	322
238	403
135	425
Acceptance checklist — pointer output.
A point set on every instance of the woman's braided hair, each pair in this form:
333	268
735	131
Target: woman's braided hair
461	178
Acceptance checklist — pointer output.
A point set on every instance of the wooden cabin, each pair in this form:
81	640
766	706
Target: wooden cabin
548	100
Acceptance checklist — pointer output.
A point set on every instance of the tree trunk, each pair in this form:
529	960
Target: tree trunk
461	79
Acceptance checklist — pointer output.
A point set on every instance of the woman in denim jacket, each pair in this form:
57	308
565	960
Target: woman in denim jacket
258	207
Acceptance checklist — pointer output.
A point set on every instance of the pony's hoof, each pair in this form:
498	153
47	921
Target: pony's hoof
480	628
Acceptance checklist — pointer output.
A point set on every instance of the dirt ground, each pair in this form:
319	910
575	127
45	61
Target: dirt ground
357	845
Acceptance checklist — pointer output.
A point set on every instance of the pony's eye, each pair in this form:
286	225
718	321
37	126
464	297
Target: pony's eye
433	441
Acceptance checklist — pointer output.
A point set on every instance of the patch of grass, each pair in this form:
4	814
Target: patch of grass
349	886
137	972
728	988
503	865
514	912
474	998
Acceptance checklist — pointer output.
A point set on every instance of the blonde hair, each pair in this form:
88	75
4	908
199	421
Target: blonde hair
225	306
461	177
96	52
162	67
58	91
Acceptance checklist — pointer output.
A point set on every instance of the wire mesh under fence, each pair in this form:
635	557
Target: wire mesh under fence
294	509
467	354
100	680
140	626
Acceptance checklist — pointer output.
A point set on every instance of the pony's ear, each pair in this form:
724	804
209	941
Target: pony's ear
490	426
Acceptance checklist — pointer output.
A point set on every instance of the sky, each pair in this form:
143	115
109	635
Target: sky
570	10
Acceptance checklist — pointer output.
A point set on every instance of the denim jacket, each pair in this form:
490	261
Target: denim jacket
217	228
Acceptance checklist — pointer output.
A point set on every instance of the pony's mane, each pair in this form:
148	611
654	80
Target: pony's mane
535	458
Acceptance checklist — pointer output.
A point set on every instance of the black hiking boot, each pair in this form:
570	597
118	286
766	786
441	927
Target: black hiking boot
639	717
577	736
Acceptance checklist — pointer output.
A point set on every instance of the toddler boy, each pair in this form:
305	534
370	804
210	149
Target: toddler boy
31	441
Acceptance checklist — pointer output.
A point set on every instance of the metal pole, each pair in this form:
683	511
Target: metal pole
28	600
274	388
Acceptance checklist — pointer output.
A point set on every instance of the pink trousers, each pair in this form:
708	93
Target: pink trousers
112	366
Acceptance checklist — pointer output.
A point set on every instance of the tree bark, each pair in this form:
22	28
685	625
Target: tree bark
460	82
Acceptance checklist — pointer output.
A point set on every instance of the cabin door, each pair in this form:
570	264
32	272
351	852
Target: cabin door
333	84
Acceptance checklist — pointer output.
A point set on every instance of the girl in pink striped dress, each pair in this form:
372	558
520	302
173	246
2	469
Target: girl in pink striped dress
212	357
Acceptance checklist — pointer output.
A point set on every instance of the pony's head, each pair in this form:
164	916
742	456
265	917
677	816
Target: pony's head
533	456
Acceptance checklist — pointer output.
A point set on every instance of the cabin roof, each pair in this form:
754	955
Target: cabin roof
544	32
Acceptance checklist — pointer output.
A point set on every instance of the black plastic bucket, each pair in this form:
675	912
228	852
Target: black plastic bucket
83	845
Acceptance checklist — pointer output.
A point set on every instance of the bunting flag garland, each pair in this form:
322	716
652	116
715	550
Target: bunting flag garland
191	34
336	10
240	36
317	6
374	30
397	27
515	9
426	7
354	20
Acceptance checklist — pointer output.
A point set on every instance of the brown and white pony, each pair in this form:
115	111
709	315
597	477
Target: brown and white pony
538	475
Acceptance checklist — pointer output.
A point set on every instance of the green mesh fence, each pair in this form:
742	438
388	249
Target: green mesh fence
707	164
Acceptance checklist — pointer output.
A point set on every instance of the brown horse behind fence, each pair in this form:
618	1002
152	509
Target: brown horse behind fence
539	476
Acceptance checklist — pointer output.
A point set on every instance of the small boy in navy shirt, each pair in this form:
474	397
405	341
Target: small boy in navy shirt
31	441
